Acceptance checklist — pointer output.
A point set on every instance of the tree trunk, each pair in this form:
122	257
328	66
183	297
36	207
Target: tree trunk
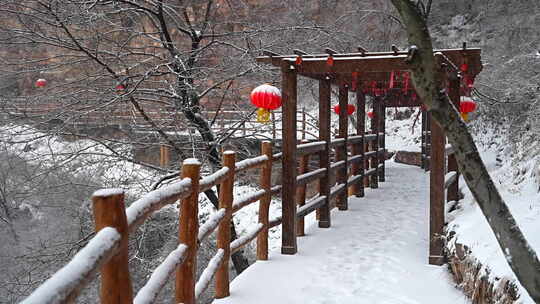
429	85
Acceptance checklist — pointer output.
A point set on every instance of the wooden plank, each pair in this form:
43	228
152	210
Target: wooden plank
288	235
109	211
436	195
187	234
264	203
226	198
360	130
324	156
341	152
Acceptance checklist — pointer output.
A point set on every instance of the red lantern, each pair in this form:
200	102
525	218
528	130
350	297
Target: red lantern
466	106
370	114
350	109
120	87
298	60
41	83
266	98
464	67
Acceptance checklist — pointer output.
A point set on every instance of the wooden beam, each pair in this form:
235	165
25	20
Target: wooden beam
288	236
325	91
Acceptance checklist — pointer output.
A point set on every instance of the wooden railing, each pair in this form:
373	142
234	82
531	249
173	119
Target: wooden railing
107	252
237	122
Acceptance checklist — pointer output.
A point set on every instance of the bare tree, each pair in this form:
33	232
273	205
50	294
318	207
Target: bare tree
429	85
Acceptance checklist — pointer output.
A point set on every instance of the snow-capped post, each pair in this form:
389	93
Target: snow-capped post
301	191
341	152
187	234
164	156
224	229
264	203
374	180
109	211
358	149
289	87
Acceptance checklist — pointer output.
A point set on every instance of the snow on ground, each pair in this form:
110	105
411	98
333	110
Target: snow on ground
376	252
518	188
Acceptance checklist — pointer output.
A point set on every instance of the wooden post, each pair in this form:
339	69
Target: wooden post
453	189
423	136
224	230
325	88
288	236
382	130
375	144
436	195
360	130
264	203
341	152
187	234
109	211
164	156
301	191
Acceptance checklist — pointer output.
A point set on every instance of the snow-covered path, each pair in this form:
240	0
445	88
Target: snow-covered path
374	253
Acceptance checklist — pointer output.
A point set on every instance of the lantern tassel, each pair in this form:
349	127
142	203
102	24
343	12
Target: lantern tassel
465	116
263	115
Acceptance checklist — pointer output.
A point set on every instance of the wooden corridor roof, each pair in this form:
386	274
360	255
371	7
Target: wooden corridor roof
371	66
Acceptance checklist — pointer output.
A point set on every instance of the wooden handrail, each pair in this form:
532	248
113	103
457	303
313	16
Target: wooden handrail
116	286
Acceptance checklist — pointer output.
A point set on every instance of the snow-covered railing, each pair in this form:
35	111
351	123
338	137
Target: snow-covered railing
114	223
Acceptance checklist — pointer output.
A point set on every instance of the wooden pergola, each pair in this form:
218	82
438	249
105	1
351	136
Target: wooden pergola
356	72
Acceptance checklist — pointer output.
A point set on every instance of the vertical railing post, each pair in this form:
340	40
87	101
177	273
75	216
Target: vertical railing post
360	130
187	234
341	152
273	126
423	137
301	191
325	88
289	94
375	143
382	147
164	156
264	203
224	230
427	162
453	189
303	123
109	211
